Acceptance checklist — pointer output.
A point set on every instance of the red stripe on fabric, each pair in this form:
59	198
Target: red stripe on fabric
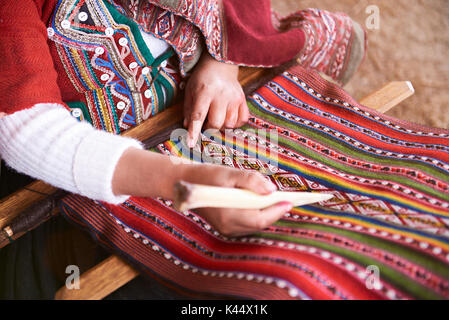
154	261
334	92
321	267
275	100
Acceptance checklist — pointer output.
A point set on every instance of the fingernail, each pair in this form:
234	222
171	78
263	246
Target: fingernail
287	206
190	143
271	187
185	123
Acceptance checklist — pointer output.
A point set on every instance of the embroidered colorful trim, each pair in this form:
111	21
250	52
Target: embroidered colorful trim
383	236
107	60
184	25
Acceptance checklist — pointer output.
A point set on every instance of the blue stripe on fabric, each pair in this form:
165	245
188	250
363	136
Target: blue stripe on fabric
336	186
337	138
350	110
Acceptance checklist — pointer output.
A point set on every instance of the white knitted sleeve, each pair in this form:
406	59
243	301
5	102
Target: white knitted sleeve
47	143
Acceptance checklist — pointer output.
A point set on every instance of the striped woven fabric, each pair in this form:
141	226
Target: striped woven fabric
383	236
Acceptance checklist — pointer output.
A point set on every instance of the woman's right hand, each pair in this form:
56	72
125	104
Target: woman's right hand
148	174
234	222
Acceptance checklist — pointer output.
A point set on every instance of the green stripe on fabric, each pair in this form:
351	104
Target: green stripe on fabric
407	253
159	80
160	94
169	91
360	153
391	276
342	147
114	113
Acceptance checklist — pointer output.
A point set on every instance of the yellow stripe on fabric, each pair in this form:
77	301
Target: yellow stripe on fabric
370	225
69	71
176	151
105	111
82	69
340	182
301	210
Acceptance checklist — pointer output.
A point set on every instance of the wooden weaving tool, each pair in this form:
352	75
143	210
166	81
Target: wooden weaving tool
192	196
113	273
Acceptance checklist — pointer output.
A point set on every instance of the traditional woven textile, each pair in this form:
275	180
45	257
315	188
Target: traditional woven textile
390	212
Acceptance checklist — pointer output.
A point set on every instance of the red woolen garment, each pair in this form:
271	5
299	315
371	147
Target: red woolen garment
252	38
236	31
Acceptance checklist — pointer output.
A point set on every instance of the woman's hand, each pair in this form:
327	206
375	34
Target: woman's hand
233	222
148	174
213	91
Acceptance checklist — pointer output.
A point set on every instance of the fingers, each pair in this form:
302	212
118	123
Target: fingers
271	214
197	116
231	117
237	114
253	181
216	116
187	109
224	117
256	220
243	114
243	222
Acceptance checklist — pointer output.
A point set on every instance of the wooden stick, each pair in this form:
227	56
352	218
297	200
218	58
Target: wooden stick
100	281
192	196
31	217
389	96
17	202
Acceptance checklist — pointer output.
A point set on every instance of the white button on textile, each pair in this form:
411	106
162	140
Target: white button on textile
82	16
121	105
148	94
123	42
50	32
99	50
182	85
164	64
104	77
133	65
109	31
145	70
76	113
65	24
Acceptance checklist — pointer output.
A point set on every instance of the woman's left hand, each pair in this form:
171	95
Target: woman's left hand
213	93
